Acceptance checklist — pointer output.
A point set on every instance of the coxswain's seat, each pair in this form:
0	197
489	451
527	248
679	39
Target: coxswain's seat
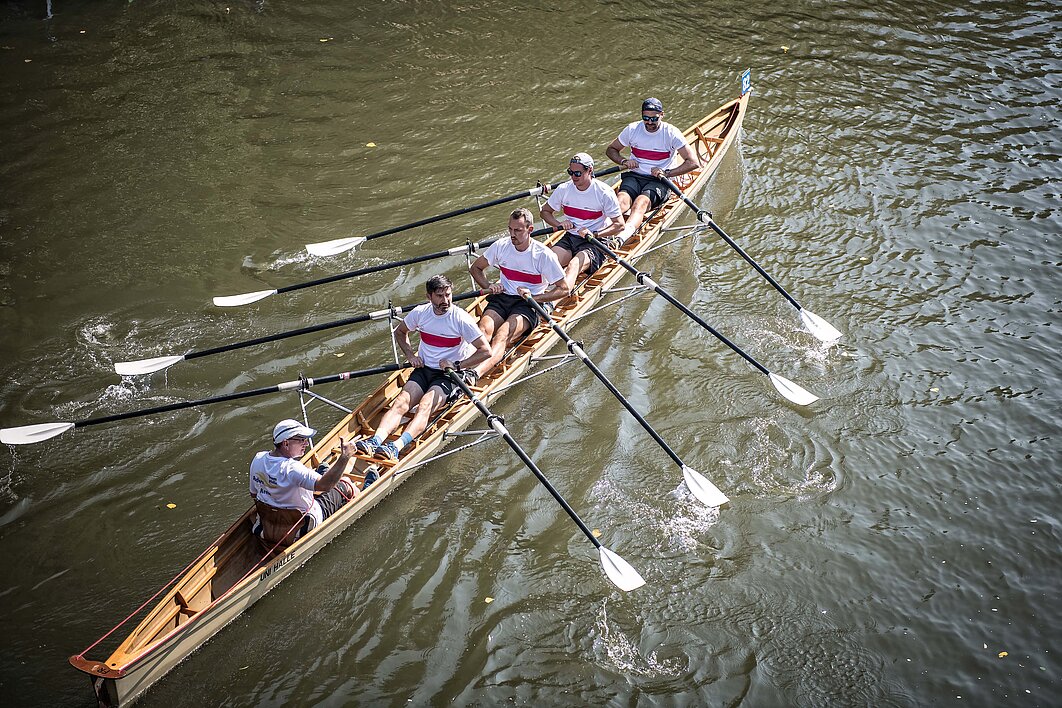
277	528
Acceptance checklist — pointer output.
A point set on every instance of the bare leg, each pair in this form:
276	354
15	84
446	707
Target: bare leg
409	397
431	401
577	265
488	325
641	205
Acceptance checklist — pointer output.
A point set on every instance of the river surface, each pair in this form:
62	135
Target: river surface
894	544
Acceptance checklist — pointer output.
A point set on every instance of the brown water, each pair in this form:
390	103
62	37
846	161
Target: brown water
898	172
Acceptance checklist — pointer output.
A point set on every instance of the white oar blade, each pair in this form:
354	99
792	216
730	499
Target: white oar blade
245	299
701	488
331	248
145	366
790	390
620	571
823	330
29	434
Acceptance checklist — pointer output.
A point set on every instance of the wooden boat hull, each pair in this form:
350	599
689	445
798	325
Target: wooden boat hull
232	574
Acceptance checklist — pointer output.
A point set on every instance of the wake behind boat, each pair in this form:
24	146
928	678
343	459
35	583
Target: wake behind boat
237	569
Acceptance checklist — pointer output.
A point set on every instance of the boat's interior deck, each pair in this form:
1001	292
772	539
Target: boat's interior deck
238	552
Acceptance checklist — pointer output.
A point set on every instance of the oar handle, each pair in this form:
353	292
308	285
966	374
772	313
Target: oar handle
377	315
577	350
286	386
499	427
730	242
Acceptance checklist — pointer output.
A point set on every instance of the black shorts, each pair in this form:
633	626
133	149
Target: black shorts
507	305
635	185
426	377
575	243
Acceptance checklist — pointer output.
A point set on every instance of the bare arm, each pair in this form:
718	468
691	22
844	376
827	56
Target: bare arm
476	270
481	354
689	163
555	291
331	478
614	152
547	215
615	225
401	336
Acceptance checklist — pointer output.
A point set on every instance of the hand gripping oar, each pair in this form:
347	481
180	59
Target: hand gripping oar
248	298
820	328
618	570
147	366
698	483
28	434
787	388
339	245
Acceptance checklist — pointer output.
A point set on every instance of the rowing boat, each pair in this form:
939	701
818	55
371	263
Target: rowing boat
235	571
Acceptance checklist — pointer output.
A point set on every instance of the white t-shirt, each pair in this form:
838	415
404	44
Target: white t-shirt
534	268
284	483
448	336
588	209
651	150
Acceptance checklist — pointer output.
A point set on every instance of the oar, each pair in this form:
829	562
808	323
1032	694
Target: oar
28	434
147	366
618	570
248	298
787	388
820	328
697	482
339	245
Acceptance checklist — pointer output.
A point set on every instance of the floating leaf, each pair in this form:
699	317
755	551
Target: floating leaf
340	354
171	505
934	389
370	145
597	533
488	600
785	49
1002	654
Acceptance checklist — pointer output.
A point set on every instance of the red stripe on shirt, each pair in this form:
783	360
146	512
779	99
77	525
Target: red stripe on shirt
582	213
437	341
520	276
650	154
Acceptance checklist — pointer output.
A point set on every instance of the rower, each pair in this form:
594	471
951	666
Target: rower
654	146
526	267
283	488
449	338
588	206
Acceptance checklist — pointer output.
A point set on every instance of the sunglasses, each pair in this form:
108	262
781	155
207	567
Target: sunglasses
575	173
651	119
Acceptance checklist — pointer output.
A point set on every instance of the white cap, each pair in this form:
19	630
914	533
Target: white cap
583	159
290	428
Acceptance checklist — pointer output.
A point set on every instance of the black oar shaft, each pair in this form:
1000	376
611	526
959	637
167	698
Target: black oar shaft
645	279
730	242
754	264
396	264
468	210
499	427
376	268
577	350
287	386
320	327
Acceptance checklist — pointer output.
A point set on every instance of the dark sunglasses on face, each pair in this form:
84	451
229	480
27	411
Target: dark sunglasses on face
651	119
575	173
